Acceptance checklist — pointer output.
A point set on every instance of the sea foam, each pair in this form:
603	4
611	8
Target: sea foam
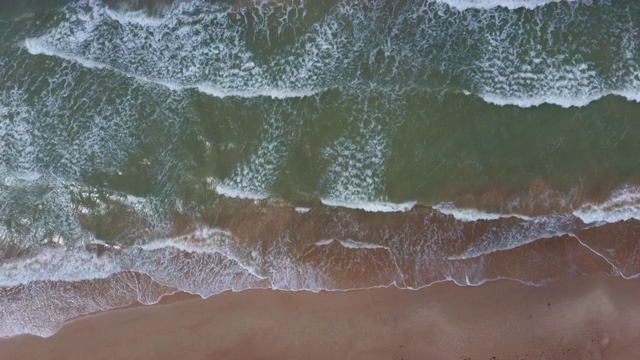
472	215
215	58
488	4
623	205
234	192
370	206
352	244
501	238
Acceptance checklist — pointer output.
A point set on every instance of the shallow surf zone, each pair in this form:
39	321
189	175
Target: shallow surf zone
248	244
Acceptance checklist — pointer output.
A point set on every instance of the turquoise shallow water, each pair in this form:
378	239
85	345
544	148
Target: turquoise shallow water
126	123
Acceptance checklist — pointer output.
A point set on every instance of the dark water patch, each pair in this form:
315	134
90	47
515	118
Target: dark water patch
10	10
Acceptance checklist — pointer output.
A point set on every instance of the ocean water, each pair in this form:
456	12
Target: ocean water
149	147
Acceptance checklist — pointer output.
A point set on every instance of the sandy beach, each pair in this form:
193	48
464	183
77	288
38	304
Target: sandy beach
588	317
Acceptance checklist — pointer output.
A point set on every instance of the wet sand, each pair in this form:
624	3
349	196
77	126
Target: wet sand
588	317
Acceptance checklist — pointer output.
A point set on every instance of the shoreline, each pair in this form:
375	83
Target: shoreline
323	250
585	317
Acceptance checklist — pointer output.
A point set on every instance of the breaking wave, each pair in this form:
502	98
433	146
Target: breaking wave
493	52
281	248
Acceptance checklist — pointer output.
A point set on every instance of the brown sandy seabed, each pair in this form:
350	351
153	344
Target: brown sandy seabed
588	312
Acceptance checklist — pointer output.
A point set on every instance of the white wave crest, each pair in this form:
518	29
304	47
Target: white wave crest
233	192
206	241
488	4
513	236
35	46
138	17
471	215
565	102
351	244
371	206
57	264
227	69
630	94
61	263
623	205
209	51
266	91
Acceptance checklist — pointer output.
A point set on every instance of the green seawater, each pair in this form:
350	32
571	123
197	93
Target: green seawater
171	107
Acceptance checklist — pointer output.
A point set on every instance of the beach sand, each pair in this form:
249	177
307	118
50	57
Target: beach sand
586	317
